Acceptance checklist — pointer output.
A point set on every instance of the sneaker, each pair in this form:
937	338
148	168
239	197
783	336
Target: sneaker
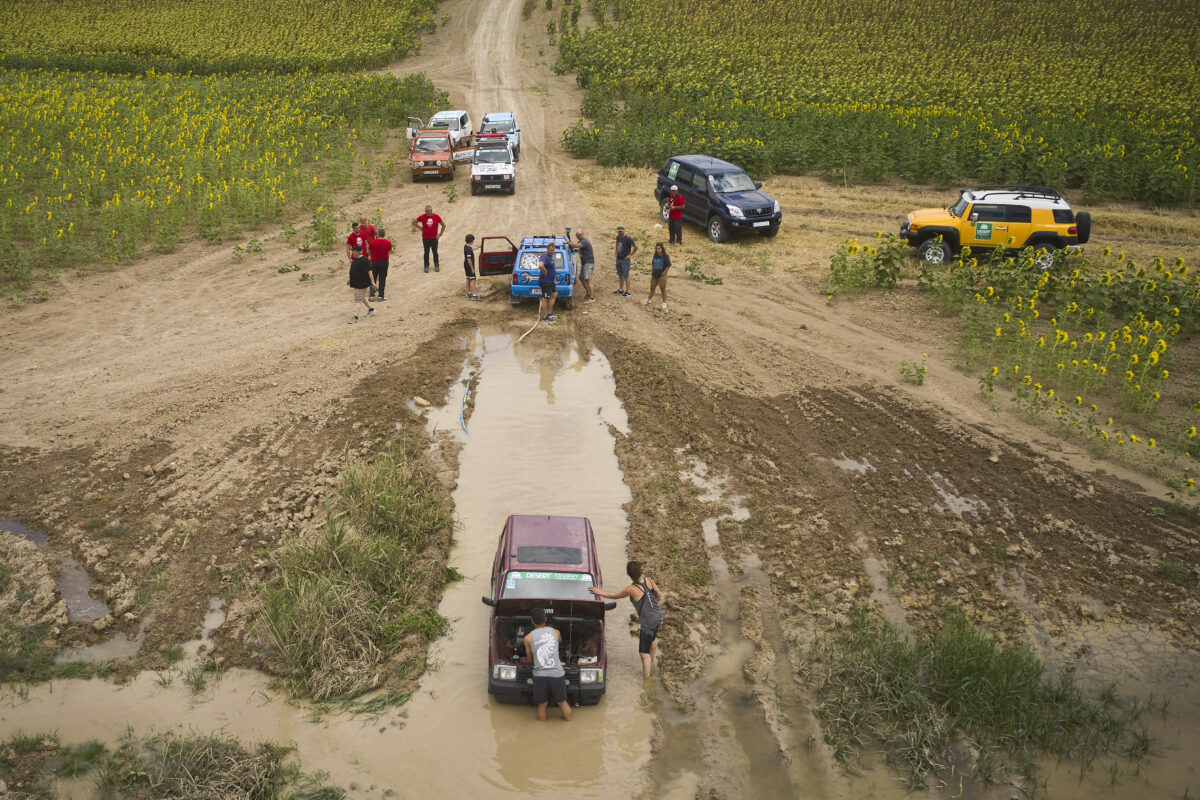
547	319
664	306
371	312
352	320
626	294
589	299
552	317
477	298
617	291
427	269
645	302
381	298
436	268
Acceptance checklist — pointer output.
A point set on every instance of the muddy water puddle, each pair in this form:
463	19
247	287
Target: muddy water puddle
537	438
74	582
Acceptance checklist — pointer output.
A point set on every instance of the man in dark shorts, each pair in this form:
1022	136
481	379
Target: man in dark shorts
549	677
646	597
360	280
469	266
587	263
546	282
432	227
379	248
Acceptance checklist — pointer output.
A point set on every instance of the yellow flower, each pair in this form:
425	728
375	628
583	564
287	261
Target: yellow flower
1078	400
999	331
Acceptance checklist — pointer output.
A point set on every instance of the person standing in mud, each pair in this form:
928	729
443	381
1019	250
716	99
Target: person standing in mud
646	597
549	678
587	263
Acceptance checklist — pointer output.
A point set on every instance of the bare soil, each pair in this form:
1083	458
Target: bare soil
168	422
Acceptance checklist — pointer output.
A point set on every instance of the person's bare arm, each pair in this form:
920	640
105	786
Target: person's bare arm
626	592
528	640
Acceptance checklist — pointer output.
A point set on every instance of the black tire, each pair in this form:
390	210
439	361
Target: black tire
934	251
1083	223
414	177
513	189
569	303
717	231
517	154
474	188
451	172
771	231
665	210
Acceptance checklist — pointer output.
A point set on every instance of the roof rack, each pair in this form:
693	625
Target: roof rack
1020	190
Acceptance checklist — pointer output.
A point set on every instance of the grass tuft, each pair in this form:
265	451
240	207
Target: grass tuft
342	604
874	683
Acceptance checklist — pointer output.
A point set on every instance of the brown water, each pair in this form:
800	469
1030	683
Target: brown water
540	414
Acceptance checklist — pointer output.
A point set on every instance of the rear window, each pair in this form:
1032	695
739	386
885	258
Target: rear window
1063	216
549	553
520	584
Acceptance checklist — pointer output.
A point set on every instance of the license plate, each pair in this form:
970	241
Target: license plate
492	186
762	224
431	172
535	292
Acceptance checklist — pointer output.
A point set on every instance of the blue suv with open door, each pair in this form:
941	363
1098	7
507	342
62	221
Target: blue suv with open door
718	195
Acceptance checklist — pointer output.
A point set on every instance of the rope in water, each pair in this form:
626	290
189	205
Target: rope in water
462	420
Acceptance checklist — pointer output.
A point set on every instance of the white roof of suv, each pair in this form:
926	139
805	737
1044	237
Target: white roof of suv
1031	196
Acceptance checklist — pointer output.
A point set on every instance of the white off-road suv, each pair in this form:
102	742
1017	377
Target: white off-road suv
492	167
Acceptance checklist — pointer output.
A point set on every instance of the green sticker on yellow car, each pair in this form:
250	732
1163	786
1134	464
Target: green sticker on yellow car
983	231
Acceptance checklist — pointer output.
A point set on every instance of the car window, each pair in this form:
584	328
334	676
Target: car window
684	178
464	122
549	553
984	212
1063	216
439	123
732	182
556	585
498	127
699	182
429	144
1018	214
491	155
958	208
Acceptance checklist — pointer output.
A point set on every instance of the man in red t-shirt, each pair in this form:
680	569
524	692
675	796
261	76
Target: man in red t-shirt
675	216
354	240
432	227
380	249
368	232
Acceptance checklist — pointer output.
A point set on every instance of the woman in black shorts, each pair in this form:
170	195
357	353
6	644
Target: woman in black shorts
647	601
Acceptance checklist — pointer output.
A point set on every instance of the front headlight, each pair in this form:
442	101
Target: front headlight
443	163
591	676
734	211
775	210
504	672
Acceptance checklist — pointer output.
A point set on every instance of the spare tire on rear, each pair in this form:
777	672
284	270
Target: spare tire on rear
1083	223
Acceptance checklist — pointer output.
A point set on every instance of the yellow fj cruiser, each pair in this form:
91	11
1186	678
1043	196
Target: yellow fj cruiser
1012	217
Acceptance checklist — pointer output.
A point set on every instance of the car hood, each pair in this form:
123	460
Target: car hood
749	199
931	216
521	607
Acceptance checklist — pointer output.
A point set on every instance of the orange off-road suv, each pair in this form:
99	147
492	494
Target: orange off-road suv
1012	217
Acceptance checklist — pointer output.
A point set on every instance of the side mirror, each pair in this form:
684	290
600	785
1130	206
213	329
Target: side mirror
758	184
610	606
487	601
974	216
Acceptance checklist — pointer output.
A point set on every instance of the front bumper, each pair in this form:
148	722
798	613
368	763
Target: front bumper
491	183
754	223
520	691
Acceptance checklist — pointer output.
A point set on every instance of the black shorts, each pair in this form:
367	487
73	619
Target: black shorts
646	639
544	685
469	270
547	288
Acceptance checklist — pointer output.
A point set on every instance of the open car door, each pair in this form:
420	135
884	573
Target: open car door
463	153
414	125
497	256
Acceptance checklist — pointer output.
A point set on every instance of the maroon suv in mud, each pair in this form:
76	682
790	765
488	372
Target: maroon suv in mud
546	562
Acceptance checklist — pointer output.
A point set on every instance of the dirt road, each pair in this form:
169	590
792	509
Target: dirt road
166	421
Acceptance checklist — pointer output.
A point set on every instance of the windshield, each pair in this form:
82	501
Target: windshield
550	585
497	127
491	155
531	261
429	144
958	208
444	122
731	182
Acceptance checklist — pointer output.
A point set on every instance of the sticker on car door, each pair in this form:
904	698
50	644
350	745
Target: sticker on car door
983	231
673	170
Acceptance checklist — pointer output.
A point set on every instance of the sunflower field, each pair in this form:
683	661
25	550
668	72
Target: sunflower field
212	36
125	126
1060	93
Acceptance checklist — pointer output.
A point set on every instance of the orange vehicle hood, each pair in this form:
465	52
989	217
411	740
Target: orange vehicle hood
441	135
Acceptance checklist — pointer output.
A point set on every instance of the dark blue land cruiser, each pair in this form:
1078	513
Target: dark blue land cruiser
718	195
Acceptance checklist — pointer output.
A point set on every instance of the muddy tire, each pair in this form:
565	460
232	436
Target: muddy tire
717	232
474	189
770	232
1083	223
665	210
934	251
569	303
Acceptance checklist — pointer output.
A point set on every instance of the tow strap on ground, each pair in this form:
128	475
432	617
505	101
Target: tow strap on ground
462	420
526	333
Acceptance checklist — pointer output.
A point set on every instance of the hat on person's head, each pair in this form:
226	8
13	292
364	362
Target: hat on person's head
356	247
620	227
674	188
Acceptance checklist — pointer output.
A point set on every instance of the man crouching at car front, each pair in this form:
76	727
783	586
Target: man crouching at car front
541	648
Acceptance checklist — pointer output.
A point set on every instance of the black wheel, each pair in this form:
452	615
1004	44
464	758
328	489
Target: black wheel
1083	223
513	189
474	188
414	177
934	251
666	210
517	154
451	172
770	232
717	231
569	303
